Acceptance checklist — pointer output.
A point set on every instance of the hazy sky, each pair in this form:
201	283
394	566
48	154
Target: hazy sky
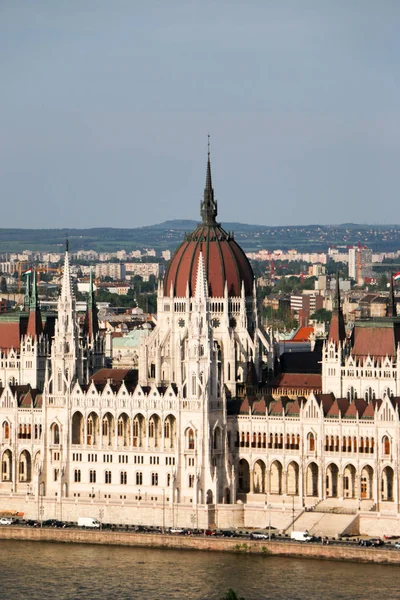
105	108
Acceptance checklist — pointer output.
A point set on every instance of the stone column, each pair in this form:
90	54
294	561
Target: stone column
301	483
340	490
284	483
322	483
268	481
251	472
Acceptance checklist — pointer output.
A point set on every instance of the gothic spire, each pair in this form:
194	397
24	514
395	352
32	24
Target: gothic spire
392	304
91	324
33	299
209	205
66	283
27	297
35	325
337	332
91	299
201	279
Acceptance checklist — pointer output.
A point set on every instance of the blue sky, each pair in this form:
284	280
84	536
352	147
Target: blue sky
105	109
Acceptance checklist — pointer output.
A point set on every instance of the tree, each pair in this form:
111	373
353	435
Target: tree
322	315
3	285
231	595
382	282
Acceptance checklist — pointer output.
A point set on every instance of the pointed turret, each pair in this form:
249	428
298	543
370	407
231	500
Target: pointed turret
209	205
91	324
35	325
66	360
337	332
201	280
27	297
66	283
391	309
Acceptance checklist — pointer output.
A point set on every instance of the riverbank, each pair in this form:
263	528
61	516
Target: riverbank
208	544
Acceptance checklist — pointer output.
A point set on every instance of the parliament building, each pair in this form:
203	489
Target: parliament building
201	433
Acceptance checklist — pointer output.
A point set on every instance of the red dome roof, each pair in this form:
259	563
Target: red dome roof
223	259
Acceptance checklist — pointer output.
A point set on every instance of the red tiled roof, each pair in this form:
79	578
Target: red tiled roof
116	375
303	334
224	262
259	407
293	408
35	325
310	381
374	341
276	408
10	335
337	332
245	406
326	401
369	411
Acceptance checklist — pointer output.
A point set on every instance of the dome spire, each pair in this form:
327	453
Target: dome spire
208	206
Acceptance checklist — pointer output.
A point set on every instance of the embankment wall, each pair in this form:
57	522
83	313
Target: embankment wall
209	544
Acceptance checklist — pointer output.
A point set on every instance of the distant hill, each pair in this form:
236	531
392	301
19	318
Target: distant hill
167	235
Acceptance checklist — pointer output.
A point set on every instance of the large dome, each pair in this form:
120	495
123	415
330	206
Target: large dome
223	259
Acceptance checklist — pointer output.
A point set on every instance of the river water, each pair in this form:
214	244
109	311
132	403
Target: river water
48	571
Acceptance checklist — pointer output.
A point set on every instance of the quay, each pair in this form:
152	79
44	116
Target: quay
207	543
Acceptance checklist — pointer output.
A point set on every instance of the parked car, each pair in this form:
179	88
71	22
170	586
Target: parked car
259	535
60	524
177	530
32	523
6	521
397	545
376	542
228	533
365	543
50	523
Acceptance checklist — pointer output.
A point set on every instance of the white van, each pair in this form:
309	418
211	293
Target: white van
300	536
88	522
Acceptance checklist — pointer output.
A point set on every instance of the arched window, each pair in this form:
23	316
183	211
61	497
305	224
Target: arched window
190	436
105	426
311	442
167	430
6	430
59	381
56	434
123	478
386	445
194	383
120	426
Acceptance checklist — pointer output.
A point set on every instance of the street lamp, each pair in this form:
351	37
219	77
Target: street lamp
359	504
269	521
163	511
293	513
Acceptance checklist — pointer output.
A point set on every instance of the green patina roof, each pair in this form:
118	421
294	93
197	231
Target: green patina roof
131	339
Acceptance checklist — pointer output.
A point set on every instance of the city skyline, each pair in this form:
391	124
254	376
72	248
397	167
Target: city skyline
109	107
